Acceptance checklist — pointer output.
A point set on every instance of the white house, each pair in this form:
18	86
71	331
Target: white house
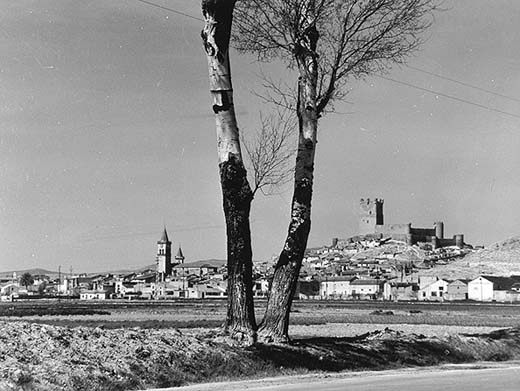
122	287
367	288
205	291
336	287
9	290
480	289
457	290
497	288
434	291
93	295
177	288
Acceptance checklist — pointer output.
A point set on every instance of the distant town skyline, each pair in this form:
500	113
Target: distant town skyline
107	135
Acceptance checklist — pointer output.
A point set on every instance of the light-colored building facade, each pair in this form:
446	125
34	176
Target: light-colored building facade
434	291
494	288
337	287
94	295
369	288
457	290
480	289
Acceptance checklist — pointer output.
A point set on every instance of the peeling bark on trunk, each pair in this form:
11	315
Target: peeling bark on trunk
275	325
236	192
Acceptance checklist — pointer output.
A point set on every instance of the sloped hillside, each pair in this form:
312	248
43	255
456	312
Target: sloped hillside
34	271
393	251
502	258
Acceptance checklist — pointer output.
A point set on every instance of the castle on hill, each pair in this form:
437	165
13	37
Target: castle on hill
372	225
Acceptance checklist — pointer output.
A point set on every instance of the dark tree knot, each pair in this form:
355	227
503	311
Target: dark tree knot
233	177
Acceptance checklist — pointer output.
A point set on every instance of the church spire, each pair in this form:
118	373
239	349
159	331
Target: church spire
164	237
180	256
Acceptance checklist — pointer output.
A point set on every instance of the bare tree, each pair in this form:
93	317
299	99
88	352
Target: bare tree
236	191
270	151
326	42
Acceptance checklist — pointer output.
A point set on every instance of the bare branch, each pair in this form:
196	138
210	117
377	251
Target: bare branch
356	38
278	92
269	153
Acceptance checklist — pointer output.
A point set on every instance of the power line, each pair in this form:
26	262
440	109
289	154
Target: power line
170	9
394	80
450	96
462	83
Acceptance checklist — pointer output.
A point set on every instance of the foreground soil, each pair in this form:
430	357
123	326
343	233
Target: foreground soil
46	357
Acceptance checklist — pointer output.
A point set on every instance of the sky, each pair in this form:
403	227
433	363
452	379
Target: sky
107	135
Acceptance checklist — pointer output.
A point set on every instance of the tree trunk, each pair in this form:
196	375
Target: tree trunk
275	325
236	192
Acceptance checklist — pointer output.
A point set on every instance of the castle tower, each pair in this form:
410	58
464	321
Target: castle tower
179	258
439	229
370	215
164	256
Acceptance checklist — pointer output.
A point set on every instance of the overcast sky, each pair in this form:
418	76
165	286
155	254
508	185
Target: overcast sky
107	134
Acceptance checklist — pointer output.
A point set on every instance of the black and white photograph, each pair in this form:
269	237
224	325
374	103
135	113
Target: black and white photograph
259	195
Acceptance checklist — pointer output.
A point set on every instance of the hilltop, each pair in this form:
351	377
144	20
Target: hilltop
501	258
33	271
387	258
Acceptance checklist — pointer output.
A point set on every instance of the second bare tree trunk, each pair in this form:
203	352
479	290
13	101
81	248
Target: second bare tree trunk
275	325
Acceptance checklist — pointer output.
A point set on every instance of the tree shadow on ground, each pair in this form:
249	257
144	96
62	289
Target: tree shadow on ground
388	349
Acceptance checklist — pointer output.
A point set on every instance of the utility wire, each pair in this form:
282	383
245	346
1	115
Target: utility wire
462	83
394	80
450	96
170	9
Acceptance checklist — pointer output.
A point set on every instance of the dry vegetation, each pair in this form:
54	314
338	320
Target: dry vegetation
139	345
44	357
212	314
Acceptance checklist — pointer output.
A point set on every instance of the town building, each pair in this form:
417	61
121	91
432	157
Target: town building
401	290
199	268
457	290
367	289
433	291
338	287
94	295
494	288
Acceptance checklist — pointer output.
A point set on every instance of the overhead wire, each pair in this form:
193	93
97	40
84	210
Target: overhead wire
170	10
449	96
466	101
462	83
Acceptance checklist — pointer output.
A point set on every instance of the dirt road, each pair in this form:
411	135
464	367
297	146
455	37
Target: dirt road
503	377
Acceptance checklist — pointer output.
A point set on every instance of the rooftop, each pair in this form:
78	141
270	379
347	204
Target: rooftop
202	263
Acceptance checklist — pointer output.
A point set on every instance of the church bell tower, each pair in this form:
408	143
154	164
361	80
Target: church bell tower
164	256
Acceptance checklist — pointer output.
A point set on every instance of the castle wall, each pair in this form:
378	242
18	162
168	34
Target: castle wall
371	224
457	240
393	229
423	232
446	242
